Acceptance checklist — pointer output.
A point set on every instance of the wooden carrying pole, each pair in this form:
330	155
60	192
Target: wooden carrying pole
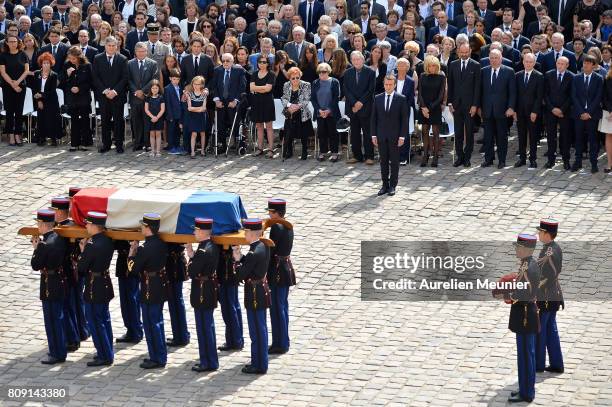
226	240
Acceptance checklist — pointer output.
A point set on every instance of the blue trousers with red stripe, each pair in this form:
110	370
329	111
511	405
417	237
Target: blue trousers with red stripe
80	310
525	356
178	316
258	331
207	342
53	313
153	324
232	315
129	297
101	329
279	316
548	339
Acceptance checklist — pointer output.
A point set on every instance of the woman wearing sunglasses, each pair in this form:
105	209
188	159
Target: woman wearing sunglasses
262	104
325	97
298	119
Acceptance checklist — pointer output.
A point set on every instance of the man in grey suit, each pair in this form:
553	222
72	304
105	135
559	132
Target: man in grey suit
296	48
156	49
142	70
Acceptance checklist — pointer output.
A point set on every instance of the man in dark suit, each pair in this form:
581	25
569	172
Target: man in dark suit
529	93
228	85
432	20
88	50
311	11
389	127
562	13
244	39
374	9
453	9
141	72
498	99
587	92
487	15
56	48
62	12
40	27
197	63
463	101
537	26
381	35
359	85
558	102
443	28
31	11
295	49
110	76
138	34
518	40
550	59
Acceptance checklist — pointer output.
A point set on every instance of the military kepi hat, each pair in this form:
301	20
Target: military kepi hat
153	28
45	215
549	225
151	220
96	218
277	204
203	223
252	224
526	240
72	191
60	203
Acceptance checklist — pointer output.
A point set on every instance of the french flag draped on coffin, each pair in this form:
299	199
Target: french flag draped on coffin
177	207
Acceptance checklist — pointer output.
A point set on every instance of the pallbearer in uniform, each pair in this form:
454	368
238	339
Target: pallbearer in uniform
149	262
280	277
202	268
524	320
252	269
230	304
176	270
550	298
129	295
48	258
80	304
94	262
61	205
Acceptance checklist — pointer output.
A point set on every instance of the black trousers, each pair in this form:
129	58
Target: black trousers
328	135
13	104
111	115
225	116
464	128
137	122
296	129
389	161
80	130
564	125
586	132
527	128
358	125
496	132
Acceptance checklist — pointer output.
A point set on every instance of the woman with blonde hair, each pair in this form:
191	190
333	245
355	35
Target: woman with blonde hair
73	25
188	24
432	88
329	44
195	122
103	33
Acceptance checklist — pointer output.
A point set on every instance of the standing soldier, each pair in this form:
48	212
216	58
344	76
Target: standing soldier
281	277
129	295
550	298
149	261
176	271
204	287
252	269
80	304
48	257
230	304
94	261
61	205
524	318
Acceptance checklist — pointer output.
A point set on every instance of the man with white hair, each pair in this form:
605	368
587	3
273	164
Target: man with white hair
295	49
549	60
244	39
229	83
25	23
381	35
274	29
529	94
94	25
460	21
286	14
262	12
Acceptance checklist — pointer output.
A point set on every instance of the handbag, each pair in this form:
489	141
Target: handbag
343	123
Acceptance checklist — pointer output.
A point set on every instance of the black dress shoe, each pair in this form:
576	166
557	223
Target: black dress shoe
119	150
467	163
594	169
566	165
99	362
457	162
52	361
554	369
200	369
72	347
103	150
382	190
539	370
176	344
72	149
576	167
391	191
83	149
226	347
138	148
486	164
149	364
514	393
549	165
54	142
276	351
519	163
518	399
533	164
501	165
252	370
127	339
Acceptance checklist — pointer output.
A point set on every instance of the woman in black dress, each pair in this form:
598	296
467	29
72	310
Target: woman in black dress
309	63
262	104
76	80
378	66
14	69
44	92
432	86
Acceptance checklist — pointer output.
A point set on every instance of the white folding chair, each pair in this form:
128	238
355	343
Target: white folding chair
342	106
28	110
314	128
277	124
94	115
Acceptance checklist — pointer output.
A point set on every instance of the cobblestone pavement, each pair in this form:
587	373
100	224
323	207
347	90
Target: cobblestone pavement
343	351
